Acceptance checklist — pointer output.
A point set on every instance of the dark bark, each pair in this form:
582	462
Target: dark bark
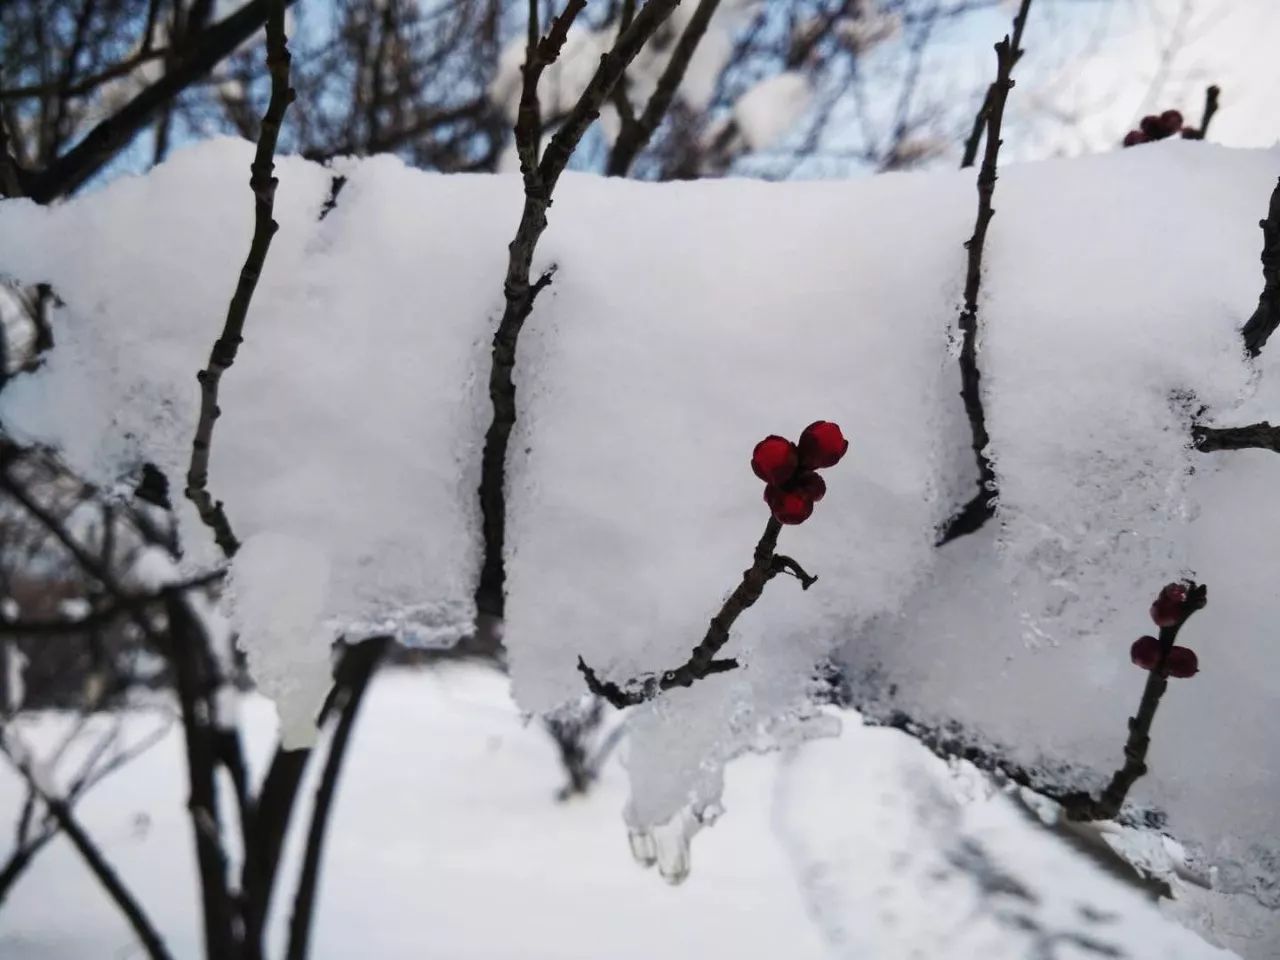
636	132
982	506
98	866
766	564
354	673
1256	436
1109	803
1259	327
188	652
263	845
520	291
263	184
105	141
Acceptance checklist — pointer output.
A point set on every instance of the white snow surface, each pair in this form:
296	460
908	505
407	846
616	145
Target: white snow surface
446	842
685	322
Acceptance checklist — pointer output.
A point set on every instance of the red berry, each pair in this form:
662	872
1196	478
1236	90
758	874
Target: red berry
1182	662
1169	610
809	484
1135	137
1145	652
1172	121
1191	133
1153	127
788	506
774	460
822	445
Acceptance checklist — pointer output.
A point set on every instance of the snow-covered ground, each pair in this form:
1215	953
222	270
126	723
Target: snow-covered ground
447	842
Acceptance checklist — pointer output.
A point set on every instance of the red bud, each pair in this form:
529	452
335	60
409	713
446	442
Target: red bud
810	485
822	445
1145	652
1169	610
774	460
1182	662
788	506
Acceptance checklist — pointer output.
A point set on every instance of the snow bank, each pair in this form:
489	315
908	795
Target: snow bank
685	322
996	886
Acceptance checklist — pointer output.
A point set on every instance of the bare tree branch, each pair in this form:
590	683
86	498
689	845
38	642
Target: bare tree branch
635	136
263	183
93	858
540	177
978	510
1259	327
766	565
108	138
1256	436
1109	803
354	673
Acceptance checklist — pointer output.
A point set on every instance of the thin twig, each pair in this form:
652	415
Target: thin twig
95	861
975	135
263	183
1259	327
766	564
979	509
122	606
187	648
11	174
981	120
635	136
85	84
1211	95
97	148
520	290
1259	436
356	669
1108	804
270	823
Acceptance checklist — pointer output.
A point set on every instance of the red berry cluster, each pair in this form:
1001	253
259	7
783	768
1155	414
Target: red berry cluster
1174	604
792	487
1160	127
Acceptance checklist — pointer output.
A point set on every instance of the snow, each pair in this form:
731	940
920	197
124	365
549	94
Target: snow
996	887
685	322
767	111
446	841
278	628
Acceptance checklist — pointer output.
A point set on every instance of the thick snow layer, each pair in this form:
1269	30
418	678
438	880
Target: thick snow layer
685	322
446	842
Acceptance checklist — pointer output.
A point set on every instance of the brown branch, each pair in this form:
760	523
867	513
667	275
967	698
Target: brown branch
1259	327
86	84
1107	806
634	137
1259	436
265	841
97	864
263	183
979	509
187	649
355	671
1210	108
540	177
766	564
982	119
70	171
11	174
